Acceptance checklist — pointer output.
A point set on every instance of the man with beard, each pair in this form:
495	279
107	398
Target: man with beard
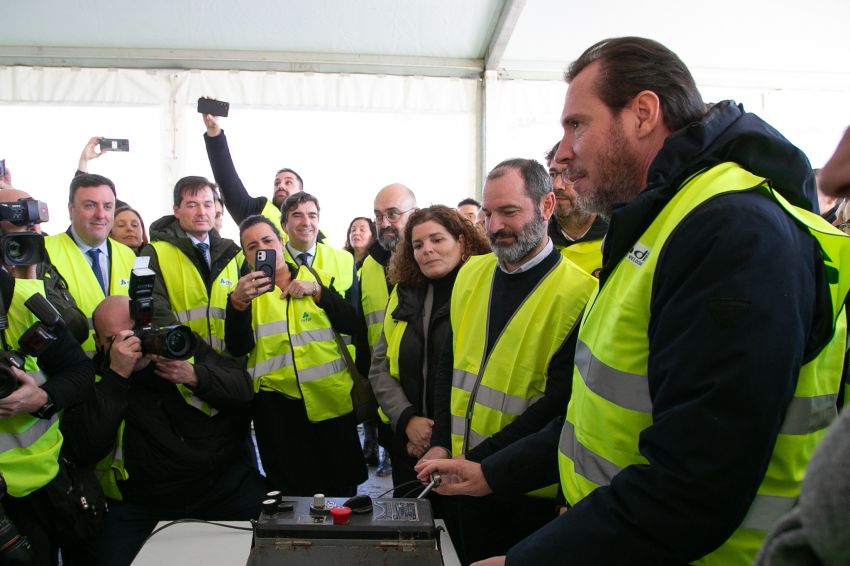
576	232
708	363
513	314
393	206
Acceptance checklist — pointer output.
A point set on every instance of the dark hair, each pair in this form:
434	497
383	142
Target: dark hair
534	176
255	219
293	201
192	185
85	180
347	246
630	65
297	176
550	155
403	267
469	200
126	207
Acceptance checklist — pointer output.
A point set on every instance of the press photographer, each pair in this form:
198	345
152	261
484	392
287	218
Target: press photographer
185	422
47	373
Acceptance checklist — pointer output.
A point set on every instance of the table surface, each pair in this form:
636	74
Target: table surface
212	545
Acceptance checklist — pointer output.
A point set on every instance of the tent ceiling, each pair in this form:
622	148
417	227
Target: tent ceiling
776	42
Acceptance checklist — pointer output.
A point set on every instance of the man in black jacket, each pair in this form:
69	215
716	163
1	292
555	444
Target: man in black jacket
180	430
715	385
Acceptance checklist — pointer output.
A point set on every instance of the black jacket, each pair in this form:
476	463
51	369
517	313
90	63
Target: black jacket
172	451
167	229
739	303
596	232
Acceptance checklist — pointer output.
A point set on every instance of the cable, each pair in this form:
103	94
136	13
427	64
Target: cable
171	523
405	484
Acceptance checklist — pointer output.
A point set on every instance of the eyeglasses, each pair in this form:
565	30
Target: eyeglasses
562	174
391	214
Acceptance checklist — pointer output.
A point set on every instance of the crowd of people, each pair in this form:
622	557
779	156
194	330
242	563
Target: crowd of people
628	355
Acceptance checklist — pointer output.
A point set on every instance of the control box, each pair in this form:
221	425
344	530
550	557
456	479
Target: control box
396	532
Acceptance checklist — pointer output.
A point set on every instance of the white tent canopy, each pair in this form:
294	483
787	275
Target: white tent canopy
355	95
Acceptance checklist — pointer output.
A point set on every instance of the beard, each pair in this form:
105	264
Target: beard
620	177
528	237
388	238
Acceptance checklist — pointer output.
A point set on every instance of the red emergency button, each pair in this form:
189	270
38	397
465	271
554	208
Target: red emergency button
341	515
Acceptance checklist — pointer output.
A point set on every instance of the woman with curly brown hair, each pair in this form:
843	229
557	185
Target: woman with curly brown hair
437	241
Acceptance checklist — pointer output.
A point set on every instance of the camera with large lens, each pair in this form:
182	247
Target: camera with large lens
14	547
23	248
176	342
8	380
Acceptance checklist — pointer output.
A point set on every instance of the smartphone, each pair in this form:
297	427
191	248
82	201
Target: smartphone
214	107
111	144
266	261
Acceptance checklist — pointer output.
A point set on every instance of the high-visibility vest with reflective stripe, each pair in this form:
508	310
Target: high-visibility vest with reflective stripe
373	296
296	353
339	264
29	446
490	393
203	312
69	260
393	332
611	403
586	255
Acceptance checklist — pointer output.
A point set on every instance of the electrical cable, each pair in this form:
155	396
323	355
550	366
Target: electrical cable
405	484
178	521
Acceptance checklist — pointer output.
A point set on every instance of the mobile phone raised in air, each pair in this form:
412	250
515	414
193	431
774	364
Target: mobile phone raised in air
214	107
113	144
266	261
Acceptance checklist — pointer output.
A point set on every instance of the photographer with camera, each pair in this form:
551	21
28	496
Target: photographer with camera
42	371
173	430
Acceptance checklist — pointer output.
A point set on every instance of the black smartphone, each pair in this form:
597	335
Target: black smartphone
113	144
266	261
214	107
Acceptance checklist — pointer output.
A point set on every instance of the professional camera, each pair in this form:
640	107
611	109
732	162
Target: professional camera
176	342
23	248
14	547
33	342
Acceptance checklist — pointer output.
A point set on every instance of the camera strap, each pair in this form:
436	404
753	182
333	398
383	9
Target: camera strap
4	322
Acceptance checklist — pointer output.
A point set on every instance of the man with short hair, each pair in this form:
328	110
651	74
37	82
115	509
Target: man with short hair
500	381
576	232
93	265
196	268
708	363
239	203
469	208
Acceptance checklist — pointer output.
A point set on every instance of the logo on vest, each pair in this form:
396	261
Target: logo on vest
306	317
638	254
225	282
124	282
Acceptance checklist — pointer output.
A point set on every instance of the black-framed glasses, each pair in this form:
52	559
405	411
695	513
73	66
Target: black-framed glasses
391	214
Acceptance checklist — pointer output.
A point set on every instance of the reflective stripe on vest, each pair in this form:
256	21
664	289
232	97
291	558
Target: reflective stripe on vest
70	262
611	388
203	312
374	296
296	353
393	333
490	393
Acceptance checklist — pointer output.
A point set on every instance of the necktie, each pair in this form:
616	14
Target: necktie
205	248
303	259
94	254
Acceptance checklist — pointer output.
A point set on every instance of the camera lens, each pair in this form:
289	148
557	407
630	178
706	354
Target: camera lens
178	342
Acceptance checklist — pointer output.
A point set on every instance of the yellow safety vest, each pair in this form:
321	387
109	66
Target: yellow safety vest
373	296
297	355
339	264
613	349
272	212
29	446
489	393
393	333
203	312
70	262
587	255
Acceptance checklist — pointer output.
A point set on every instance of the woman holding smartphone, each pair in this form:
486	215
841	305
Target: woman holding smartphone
306	430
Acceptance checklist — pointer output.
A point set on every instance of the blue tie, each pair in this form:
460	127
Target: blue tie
94	254
204	247
303	259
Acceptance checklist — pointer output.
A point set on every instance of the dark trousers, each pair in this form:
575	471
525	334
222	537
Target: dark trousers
236	496
302	458
492	524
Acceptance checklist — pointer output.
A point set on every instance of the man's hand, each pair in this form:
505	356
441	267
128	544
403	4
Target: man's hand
89	152
495	561
418	432
211	122
28	397
299	289
436	453
460	476
125	351
175	371
23	271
